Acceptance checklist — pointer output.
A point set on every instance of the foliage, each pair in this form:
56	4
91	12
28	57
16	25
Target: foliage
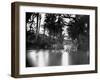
79	25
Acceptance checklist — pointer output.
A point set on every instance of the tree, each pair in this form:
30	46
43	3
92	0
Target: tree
78	25
30	19
50	23
79	30
38	17
54	24
59	27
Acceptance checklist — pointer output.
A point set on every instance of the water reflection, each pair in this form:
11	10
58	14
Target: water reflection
46	58
41	58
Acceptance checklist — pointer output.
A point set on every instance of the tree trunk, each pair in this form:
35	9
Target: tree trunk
39	23
44	34
37	26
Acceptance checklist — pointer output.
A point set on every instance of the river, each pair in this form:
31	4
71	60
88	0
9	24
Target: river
41	58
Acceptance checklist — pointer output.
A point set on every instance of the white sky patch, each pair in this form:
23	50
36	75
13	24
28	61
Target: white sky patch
42	18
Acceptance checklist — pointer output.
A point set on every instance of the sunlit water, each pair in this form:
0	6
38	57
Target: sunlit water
65	58
41	58
45	58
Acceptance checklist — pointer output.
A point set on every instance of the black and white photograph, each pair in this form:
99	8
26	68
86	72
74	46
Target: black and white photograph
52	39
57	39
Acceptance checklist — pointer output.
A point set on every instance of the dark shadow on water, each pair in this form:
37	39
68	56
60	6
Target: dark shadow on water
81	57
55	58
